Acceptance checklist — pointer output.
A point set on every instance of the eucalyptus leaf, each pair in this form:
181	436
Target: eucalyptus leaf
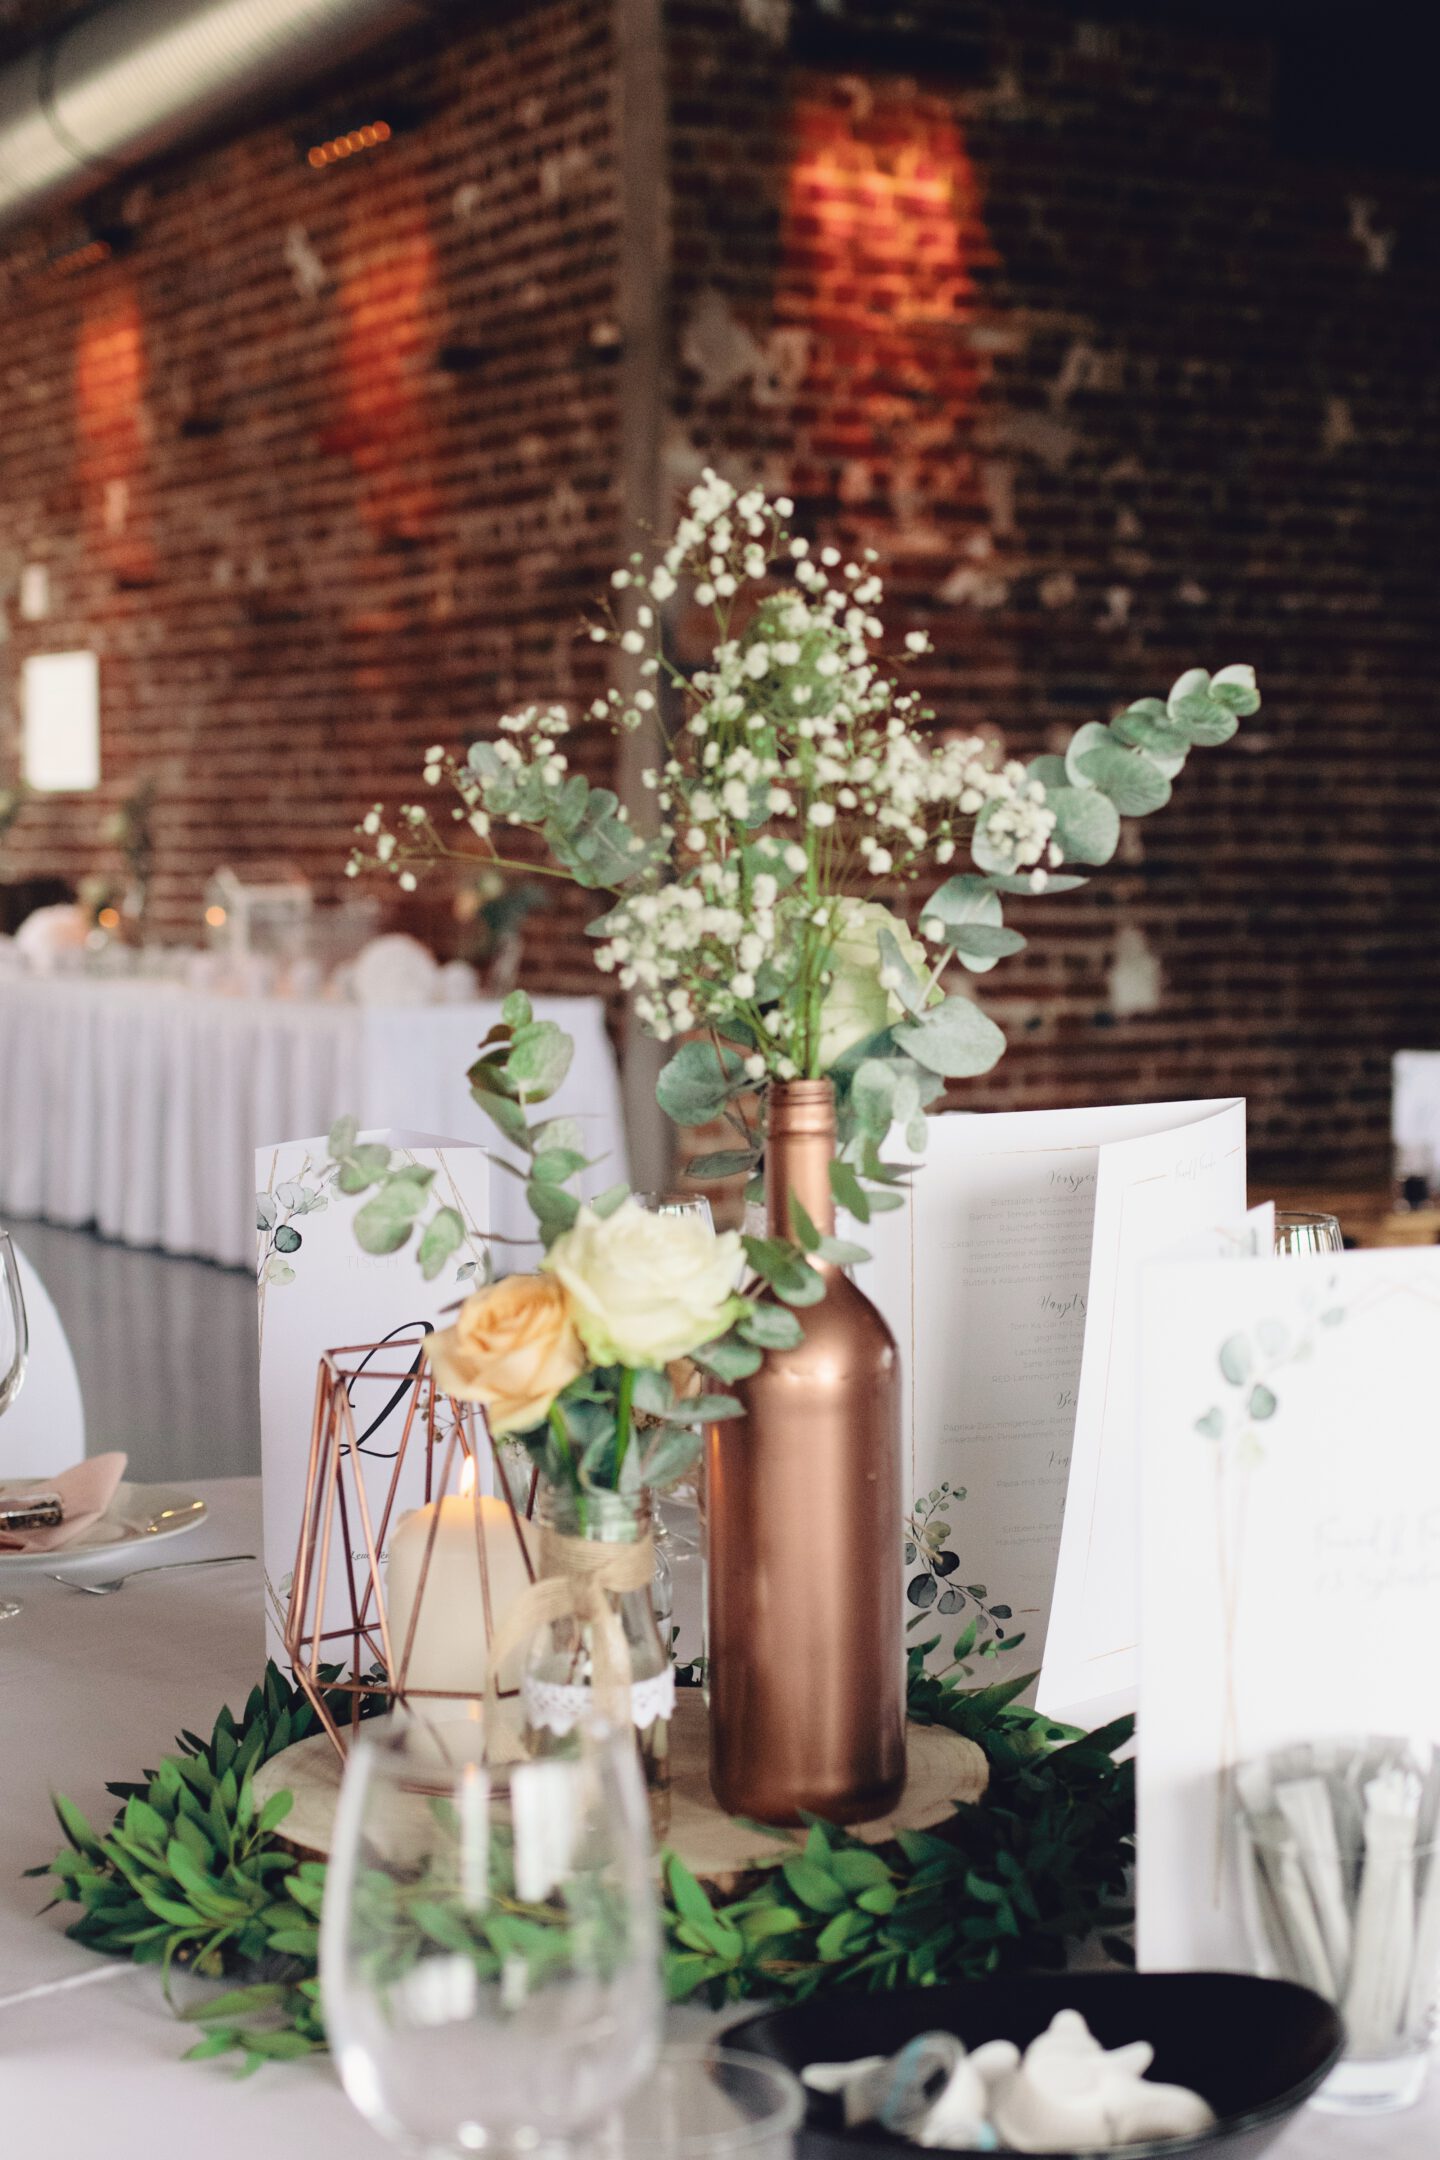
553	1165
724	1163
980	945
540	1057
730	1359
673	1454
897	975
694	1087
505	1112
1087	824
385	1222
1131	779
555	1210
343	1135
1055	881
955	1039
771	1327
1094	735
364	1166
443	1236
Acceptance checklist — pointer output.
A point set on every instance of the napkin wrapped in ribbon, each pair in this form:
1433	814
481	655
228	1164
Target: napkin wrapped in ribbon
85	1493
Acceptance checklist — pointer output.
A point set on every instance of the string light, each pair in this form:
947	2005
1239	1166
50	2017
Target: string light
344	146
108	918
215	916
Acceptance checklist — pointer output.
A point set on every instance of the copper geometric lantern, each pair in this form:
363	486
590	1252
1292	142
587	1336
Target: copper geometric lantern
384	1439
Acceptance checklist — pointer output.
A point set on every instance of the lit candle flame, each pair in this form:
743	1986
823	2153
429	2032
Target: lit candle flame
467	1477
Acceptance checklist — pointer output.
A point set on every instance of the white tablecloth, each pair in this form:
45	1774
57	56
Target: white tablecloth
94	1688
138	1106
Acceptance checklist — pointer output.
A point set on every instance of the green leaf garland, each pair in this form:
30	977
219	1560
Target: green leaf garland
190	1874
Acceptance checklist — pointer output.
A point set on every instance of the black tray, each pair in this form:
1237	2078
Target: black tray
1255	2049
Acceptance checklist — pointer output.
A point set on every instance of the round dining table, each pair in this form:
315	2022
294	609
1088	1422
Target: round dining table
96	1688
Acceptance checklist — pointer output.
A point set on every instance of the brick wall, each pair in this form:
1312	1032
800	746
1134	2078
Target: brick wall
325	464
328	464
1115	386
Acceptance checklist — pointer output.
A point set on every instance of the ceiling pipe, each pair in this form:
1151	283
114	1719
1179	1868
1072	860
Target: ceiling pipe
134	79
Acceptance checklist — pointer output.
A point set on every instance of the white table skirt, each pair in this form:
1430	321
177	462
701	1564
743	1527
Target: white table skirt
138	1106
92	1689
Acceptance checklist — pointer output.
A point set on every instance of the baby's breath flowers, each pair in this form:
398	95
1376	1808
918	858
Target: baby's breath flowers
796	781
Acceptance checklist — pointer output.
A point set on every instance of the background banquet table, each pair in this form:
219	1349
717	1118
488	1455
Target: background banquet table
96	1688
138	1105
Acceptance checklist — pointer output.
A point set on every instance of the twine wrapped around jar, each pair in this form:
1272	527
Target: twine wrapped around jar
578	1576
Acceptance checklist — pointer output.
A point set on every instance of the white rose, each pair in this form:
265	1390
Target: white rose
646	1288
857	1002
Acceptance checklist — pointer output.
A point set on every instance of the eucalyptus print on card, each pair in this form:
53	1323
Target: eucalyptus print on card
933	1586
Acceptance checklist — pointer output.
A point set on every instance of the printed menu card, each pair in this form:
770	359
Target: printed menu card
319	1290
1290	1512
1009	1280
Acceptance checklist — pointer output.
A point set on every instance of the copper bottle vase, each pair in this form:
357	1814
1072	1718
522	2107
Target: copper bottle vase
806	1627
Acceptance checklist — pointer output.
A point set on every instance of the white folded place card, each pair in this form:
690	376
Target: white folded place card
1415	1111
318	1290
1290	1539
1009	1280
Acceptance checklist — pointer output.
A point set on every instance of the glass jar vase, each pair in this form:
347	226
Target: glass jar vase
605	1657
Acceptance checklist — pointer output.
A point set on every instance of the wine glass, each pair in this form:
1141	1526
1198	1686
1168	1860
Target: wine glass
1301	1234
14	1350
490	1954
694	1205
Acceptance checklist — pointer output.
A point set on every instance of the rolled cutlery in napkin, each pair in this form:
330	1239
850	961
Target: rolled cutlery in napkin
85	1493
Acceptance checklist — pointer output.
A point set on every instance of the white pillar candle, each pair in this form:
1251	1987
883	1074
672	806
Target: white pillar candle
450	1651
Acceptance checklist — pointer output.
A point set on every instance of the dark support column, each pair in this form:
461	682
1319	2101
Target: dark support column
641	133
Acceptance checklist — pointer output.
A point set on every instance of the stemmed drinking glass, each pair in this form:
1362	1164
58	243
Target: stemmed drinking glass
14	1350
1300	1234
490	1960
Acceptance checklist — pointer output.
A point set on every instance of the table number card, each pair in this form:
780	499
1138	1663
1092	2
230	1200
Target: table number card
317	1291
1009	1282
1290	1510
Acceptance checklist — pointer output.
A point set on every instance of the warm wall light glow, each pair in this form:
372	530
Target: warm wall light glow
344	146
112	434
389	304
883	233
216	917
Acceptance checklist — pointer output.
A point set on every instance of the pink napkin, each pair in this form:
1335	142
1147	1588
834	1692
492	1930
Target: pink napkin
85	1493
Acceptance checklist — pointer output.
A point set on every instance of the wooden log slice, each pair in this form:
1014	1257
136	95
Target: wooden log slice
945	1771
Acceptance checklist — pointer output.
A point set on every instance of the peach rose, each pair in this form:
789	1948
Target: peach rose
512	1348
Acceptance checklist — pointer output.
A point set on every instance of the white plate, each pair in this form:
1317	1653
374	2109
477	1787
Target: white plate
139	1515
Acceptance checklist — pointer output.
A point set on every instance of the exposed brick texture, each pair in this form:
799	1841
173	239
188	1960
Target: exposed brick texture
327	466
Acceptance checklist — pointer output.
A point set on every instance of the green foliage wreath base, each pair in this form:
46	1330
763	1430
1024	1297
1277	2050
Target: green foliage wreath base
192	1874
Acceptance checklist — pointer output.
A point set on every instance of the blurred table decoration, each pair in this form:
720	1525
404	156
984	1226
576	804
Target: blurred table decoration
1291	1484
1340	1878
783	1917
793	779
490	1939
137	1105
